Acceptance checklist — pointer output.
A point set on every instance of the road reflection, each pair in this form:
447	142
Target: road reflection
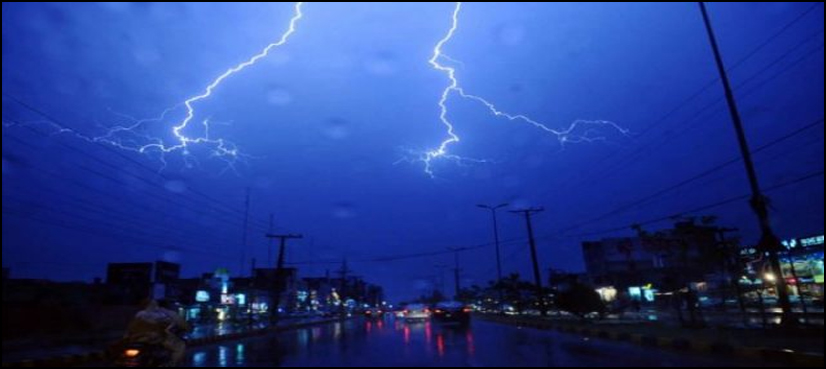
399	341
360	343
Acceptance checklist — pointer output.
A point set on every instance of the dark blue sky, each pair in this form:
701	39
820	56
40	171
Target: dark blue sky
326	118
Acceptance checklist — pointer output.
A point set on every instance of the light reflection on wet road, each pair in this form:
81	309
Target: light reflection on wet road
391	343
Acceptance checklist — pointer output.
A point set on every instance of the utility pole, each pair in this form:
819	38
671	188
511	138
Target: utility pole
536	276
456	270
343	273
269	249
496	242
769	242
283	240
730	266
250	295
244	233
279	268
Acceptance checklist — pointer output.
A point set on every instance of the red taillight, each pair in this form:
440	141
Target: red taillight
427	311
405	312
368	312
438	311
466	310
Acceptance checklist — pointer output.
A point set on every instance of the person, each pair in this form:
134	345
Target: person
158	325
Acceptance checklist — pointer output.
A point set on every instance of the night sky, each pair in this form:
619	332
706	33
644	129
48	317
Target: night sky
332	122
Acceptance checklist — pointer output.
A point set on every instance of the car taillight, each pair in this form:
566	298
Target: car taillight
427	311
438	311
132	352
466	310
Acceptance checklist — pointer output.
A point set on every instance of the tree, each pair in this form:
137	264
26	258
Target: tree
580	299
472	294
517	292
436	297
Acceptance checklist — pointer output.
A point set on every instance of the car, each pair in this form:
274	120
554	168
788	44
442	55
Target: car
451	312
373	313
415	312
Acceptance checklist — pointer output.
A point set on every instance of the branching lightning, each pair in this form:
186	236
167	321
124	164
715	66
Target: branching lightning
130	137
221	147
452	137
578	131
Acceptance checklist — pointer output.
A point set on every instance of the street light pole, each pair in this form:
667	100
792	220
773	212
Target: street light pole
456	271
496	242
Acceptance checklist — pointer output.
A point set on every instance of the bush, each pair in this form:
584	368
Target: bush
580	300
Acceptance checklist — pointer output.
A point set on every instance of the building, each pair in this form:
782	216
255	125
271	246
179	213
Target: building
166	272
321	294
129	283
801	264
665	261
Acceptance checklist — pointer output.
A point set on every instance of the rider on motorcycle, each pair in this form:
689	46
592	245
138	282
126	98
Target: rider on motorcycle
157	325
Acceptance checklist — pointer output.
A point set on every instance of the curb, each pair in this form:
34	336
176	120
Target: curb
786	357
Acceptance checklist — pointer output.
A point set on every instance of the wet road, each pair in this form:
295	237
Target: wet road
390	343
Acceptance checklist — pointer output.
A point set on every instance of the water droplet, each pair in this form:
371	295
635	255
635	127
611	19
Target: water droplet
343	211
175	186
382	64
336	129
510	34
279	97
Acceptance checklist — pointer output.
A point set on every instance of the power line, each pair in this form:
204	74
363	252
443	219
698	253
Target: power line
735	65
706	206
70	216
645	149
696	177
714	81
640	151
75	203
400	257
160	198
212	202
62	223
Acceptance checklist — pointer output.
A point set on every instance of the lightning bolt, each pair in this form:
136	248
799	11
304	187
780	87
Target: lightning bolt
578	131
452	137
221	147
129	136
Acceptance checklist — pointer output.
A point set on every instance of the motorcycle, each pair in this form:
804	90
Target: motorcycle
141	354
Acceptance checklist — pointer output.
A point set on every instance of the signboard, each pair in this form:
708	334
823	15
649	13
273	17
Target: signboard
202	296
227	299
811	241
795	243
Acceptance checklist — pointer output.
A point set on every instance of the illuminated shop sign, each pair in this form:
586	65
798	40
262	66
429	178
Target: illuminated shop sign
795	243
